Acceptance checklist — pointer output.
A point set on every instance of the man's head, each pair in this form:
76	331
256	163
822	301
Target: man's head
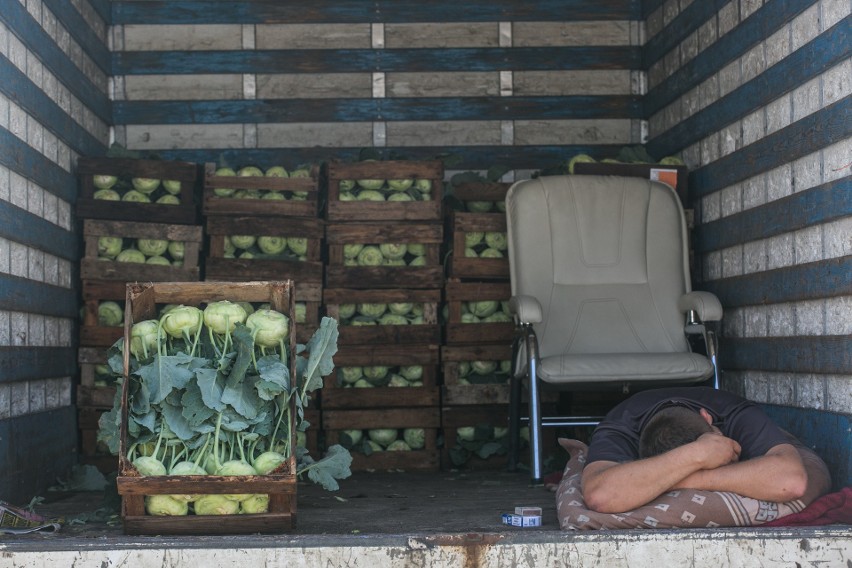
670	428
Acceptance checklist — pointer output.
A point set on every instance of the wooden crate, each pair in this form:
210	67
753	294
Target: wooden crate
482	416
143	301
91	268
457	295
184	213
426	459
342	274
426	333
220	267
494	388
337	394
92	453
356	211
481	191
92	333
287	207
93	392
678	176
463	266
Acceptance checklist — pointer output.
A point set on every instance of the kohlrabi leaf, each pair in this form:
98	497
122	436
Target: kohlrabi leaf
274	377
194	409
211	383
321	347
176	421
164	373
325	472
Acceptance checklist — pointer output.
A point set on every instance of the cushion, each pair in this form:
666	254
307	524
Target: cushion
683	508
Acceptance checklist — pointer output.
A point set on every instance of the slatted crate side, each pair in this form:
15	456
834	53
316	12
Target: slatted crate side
186	212
355	210
457	295
93	268
463	266
95	390
309	187
92	332
458	390
482	417
343	273
340	394
481	191
426	459
220	266
426	333
143	301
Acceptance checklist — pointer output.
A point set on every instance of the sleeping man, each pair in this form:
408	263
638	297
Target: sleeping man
695	438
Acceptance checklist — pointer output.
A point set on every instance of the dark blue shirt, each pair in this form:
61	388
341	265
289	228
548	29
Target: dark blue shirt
617	436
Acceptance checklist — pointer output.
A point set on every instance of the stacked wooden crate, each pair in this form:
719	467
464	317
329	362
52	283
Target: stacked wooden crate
478	334
265	225
383	283
125	203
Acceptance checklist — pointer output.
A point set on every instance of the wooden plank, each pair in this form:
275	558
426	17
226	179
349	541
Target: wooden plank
23	295
817	130
21	226
822	204
811	281
30	32
20	157
401	109
807	62
829	354
761	24
33	363
388	61
404	11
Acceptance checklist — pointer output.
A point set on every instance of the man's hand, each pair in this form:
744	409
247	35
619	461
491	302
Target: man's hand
716	450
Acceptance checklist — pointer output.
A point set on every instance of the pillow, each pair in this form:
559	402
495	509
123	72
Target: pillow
682	508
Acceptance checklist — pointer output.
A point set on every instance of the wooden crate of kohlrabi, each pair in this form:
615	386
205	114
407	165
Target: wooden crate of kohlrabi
477	312
386	191
211	417
277	191
125	189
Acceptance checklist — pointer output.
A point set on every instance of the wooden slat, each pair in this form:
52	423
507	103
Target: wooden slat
821	204
23	227
402	109
807	62
811	281
817	130
79	29
19	157
32	363
681	27
23	295
831	354
370	60
404	11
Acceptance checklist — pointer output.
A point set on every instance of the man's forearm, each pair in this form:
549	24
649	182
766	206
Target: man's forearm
778	476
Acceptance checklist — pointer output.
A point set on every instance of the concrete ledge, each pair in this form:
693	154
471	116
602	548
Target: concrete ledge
831	546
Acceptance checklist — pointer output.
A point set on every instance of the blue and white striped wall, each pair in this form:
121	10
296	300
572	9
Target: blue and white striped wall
54	106
756	95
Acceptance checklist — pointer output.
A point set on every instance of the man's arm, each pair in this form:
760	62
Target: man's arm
610	487
778	476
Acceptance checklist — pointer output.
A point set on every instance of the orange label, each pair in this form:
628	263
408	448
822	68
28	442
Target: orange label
668	177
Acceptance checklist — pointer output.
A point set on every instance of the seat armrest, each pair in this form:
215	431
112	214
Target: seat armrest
526	308
705	304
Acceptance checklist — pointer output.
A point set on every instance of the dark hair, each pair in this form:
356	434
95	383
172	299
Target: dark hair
671	428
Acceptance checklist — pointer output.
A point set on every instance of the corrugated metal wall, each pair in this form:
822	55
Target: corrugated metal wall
756	96
521	84
54	69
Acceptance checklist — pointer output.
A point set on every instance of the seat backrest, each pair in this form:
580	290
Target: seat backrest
607	259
